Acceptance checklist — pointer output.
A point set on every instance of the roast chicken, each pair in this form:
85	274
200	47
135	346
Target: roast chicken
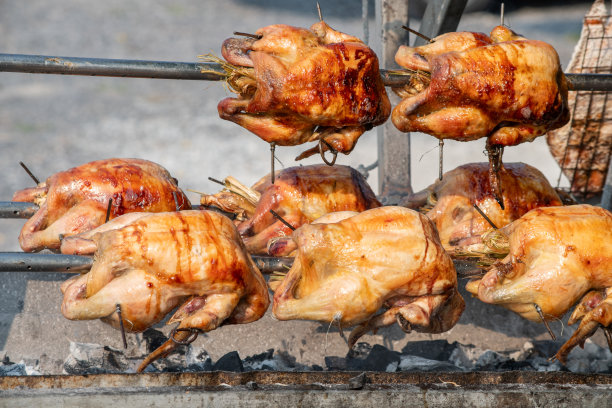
449	203
298	85
349	267
77	200
299	195
556	256
468	86
151	263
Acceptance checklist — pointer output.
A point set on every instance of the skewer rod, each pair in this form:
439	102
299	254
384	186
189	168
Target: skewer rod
44	64
13	209
42	262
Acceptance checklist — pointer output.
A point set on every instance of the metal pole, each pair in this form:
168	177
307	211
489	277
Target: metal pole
42	64
606	197
12	209
393	145
42	262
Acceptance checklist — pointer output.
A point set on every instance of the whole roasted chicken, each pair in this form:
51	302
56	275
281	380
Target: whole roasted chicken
346	269
469	85
449	203
298	85
299	195
148	264
556	256
77	200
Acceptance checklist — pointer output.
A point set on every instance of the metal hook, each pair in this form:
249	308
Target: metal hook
423	36
176	203
539	310
118	309
108	209
214	180
29	172
319	11
484	216
281	219
441	157
256	36
502	15
272	148
330	148
193	335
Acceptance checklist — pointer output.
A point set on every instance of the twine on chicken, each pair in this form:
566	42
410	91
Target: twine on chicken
238	80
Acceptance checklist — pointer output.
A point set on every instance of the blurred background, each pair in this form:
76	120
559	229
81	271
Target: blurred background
53	122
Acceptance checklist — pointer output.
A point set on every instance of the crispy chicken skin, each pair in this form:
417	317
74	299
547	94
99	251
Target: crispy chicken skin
503	87
459	223
557	256
76	200
349	267
306	85
299	195
151	263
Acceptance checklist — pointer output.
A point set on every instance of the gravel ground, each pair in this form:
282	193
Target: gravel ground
55	122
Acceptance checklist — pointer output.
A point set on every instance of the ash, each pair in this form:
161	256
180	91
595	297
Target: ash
424	356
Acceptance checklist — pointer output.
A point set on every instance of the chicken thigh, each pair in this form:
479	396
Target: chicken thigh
151	263
302	85
556	257
503	87
299	195
458	222
76	200
346	269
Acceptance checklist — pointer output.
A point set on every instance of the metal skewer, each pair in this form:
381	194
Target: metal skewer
441	159
539	310
44	64
415	32
29	172
272	148
281	219
118	309
484	216
42	262
108	210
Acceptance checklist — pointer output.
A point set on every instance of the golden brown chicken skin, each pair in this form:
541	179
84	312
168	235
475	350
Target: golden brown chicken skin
557	256
503	87
76	200
305	85
299	195
347	269
453	198
151	263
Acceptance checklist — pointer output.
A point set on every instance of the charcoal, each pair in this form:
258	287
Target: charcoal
335	363
357	382
416	363
88	358
316	367
381	359
513	365
547	348
12	370
262	361
197	359
229	362
430	349
490	360
359	351
153	339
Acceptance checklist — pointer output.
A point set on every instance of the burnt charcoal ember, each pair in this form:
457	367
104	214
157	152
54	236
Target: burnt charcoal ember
262	361
88	358
590	359
464	356
440	350
12	370
197	359
490	361
153	339
547	348
335	363
416	363
381	359
512	365
358	382
229	362
359	351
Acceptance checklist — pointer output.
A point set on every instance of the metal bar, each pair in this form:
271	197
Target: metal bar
441	16
37	262
41	64
393	145
12	209
41	262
